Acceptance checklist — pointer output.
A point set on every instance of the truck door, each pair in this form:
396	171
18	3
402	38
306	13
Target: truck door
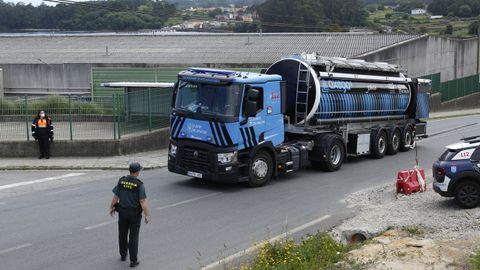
267	122
252	120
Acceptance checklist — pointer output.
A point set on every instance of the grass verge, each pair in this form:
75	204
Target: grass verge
319	251
475	261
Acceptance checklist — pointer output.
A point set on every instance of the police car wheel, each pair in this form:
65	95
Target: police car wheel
467	194
394	142
261	169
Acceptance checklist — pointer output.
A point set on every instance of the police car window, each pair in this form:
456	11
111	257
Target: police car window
476	155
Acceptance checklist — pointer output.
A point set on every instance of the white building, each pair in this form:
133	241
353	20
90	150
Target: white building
419	11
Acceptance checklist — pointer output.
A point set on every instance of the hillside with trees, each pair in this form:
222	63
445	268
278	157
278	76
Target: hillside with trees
87	16
310	15
214	3
458	8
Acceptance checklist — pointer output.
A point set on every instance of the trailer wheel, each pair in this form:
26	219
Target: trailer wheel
407	139
261	169
335	156
394	142
379	145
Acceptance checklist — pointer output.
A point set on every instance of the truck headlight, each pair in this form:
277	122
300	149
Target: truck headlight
224	158
173	150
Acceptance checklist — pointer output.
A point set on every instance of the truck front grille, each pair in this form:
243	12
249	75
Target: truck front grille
195	160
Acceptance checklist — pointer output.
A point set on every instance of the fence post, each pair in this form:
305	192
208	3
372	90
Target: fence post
113	118
150	110
70	116
26	117
118	116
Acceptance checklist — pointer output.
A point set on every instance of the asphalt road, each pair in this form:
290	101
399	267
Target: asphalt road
59	219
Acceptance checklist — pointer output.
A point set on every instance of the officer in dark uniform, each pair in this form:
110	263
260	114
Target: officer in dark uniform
42	131
130	200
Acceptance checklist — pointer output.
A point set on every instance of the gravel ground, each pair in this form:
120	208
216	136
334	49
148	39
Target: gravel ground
415	232
381	208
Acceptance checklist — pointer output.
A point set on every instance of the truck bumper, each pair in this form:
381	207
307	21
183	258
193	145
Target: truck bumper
204	165
230	176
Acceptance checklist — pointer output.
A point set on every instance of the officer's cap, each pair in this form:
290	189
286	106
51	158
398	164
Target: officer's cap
135	167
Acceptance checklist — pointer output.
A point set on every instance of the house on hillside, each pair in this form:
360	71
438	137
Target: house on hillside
419	11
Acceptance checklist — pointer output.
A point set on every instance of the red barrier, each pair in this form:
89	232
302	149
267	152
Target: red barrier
408	181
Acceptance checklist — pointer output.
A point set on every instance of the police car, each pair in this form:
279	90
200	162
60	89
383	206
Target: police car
457	172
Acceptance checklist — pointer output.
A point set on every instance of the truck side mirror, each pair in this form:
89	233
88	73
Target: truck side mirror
283	96
251	103
174	95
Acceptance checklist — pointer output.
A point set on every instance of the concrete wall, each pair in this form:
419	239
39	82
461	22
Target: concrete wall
453	58
45	78
127	145
464	103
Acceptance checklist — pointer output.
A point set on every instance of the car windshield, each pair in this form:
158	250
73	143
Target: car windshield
218	100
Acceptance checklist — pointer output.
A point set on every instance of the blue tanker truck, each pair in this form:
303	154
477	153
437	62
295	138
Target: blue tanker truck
302	111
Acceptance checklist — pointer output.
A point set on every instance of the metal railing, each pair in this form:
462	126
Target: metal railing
84	118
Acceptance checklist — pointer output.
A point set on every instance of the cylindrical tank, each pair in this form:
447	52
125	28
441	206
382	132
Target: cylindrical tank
348	96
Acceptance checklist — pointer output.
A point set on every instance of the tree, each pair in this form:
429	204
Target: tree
449	29
96	15
310	15
460	8
465	11
407	6
473	28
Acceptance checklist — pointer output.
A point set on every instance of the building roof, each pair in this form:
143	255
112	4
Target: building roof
187	49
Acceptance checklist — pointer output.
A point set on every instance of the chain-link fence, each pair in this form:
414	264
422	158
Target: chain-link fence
81	118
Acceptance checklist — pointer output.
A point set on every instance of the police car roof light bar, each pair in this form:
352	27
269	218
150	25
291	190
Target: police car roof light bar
213	71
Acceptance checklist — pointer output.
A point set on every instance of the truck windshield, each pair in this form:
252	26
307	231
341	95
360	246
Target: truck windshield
218	100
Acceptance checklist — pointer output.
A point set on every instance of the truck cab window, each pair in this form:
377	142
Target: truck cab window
259	99
207	99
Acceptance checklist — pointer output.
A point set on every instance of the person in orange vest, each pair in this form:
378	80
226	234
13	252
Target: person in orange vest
42	131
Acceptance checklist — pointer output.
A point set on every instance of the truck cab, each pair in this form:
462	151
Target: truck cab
221	120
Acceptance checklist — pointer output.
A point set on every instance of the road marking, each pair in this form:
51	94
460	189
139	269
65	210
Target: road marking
61	191
159	208
252	249
40	180
188	201
15	248
100	225
444	132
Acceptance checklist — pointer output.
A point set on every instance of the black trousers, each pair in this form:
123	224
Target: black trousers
128	229
44	145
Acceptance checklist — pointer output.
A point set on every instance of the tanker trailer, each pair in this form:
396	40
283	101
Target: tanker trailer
351	107
306	110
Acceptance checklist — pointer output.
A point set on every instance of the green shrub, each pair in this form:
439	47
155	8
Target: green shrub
7	107
51	105
319	251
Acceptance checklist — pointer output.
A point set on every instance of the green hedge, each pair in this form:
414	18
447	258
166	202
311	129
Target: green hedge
51	105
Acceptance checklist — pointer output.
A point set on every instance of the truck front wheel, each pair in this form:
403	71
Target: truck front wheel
261	169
